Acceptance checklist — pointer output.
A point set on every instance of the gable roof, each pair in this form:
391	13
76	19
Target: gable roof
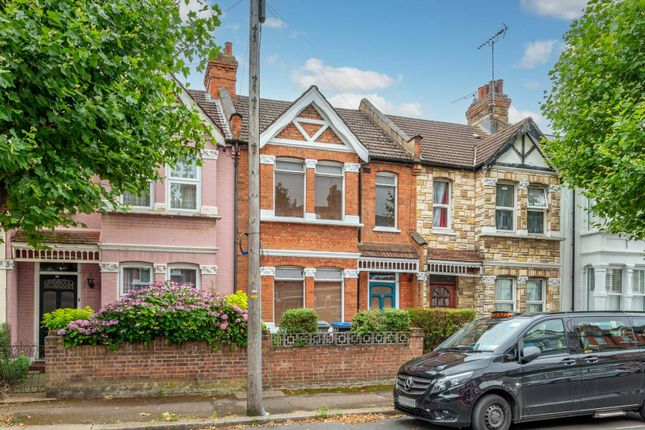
442	143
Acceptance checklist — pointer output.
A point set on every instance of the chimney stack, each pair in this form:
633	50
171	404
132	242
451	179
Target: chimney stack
221	73
480	112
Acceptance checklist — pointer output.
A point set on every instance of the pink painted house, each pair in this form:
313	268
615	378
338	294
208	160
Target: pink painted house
182	229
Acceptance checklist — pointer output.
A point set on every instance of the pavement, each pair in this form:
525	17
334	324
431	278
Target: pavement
184	413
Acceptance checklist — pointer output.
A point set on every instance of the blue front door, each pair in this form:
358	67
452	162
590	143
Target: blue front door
382	295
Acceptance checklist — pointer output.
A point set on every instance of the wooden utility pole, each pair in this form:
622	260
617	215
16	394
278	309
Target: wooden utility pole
254	405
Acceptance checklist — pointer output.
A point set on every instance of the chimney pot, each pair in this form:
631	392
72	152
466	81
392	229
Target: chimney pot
481	110
228	49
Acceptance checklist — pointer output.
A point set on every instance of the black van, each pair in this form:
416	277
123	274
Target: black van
512	368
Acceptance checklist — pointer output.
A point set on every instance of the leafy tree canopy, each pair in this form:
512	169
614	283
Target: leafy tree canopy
596	107
88	98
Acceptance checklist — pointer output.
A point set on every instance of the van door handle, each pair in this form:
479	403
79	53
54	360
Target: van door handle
568	362
590	360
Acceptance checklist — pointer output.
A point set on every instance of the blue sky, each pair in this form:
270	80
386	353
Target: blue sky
409	57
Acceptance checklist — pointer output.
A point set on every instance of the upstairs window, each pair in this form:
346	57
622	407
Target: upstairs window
289	188
441	204
143	200
505	207
329	191
536	210
385	200
183	183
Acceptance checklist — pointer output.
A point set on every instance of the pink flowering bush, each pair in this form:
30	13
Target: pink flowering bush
178	313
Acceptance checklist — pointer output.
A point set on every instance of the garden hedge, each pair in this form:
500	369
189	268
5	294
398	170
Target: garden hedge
439	324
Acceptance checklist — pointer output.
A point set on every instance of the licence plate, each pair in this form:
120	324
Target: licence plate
407	402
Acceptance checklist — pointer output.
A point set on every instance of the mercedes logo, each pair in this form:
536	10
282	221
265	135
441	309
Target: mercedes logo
408	384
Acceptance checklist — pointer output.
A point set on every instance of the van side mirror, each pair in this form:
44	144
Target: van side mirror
530	353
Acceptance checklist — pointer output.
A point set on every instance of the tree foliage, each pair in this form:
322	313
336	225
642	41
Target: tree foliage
88	98
596	107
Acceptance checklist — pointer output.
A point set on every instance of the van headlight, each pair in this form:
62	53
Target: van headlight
452	381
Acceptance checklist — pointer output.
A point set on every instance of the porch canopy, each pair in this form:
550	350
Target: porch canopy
454	262
74	246
385	257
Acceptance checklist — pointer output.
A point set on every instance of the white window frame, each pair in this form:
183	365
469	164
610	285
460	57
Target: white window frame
133	265
635	279
194	267
542	293
513	209
542	209
304	184
514	292
448	206
590	273
173	180
396	200
609	275
342	289
277	278
152	198
330	175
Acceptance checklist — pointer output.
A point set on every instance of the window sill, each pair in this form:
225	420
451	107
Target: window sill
310	221
172	212
517	235
445	232
387	229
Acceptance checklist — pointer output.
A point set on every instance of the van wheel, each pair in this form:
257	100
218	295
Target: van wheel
492	412
641	411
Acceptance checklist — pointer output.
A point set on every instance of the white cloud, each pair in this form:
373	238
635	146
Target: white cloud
339	79
531	85
200	7
413	109
563	9
353	101
276	23
233	27
516	115
535	53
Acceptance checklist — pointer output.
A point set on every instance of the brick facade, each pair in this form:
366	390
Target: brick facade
194	367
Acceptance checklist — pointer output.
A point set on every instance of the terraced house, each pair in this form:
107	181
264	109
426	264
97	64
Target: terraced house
353	203
488	206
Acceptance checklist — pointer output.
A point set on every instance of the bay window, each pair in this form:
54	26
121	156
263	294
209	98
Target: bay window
288	291
328	294
535	295
183	185
614	286
441	204
385	204
504	295
289	188
536	209
591	288
135	276
329	191
505	207
638	289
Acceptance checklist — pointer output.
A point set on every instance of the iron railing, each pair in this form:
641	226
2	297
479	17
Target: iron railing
34	380
338	338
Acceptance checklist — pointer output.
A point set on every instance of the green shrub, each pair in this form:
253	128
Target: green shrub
299	321
59	318
439	324
376	321
5	341
239	299
178	313
13	370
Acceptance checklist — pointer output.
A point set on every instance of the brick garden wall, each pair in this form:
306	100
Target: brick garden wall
194	368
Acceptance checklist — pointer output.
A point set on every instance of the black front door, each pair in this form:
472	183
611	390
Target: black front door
56	291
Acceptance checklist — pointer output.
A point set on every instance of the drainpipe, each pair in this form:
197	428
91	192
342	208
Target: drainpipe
573	249
235	232
360	233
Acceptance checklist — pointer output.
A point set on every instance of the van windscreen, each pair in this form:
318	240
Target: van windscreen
485	335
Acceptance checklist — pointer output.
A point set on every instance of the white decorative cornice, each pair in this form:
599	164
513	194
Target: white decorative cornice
310	272
208	269
209	210
352	167
488	280
210	154
554	188
109	267
161	268
489	182
521	280
422	276
6	264
310	163
350	273
267	271
267	159
522	185
554	282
